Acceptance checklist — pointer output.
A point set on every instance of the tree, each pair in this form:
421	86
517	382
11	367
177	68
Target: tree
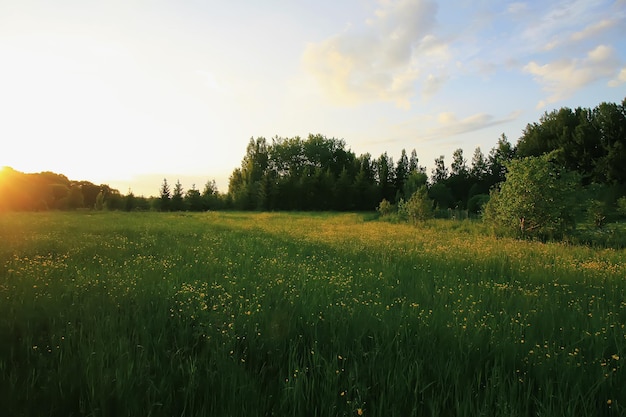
401	174
442	195
499	156
440	172
385	208
535	200
165	196
210	196
414	182
458	167
177	202
384	175
129	201
419	207
414	163
193	199
479	165
74	199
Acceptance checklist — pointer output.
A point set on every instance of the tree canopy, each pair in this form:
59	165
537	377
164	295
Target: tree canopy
537	199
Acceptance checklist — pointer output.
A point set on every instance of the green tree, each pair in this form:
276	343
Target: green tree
129	201
442	195
478	171
385	208
535	200
419	207
74	199
414	182
210	196
401	174
193	199
165	196
385	176
499	156
439	172
177	202
459	164
414	165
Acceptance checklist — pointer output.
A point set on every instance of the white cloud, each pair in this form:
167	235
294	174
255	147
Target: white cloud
561	78
568	21
593	29
383	59
619	80
450	125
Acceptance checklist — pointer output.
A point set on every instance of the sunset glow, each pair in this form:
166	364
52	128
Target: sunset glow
130	93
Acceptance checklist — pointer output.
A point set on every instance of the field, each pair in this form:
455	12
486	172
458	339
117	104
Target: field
293	314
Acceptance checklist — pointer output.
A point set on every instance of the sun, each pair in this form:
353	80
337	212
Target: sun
4	173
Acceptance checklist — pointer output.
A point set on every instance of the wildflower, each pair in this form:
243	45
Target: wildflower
359	411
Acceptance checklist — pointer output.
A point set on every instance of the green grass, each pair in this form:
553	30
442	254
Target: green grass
127	314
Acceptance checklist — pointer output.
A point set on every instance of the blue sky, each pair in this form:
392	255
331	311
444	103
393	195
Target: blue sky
130	92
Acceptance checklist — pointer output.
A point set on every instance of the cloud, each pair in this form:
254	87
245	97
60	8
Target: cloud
619	80
382	59
593	29
589	32
561	78
450	125
551	25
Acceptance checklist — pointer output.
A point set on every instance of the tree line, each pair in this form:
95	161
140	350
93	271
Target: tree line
51	191
320	173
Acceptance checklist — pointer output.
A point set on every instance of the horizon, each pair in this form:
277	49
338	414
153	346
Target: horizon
129	94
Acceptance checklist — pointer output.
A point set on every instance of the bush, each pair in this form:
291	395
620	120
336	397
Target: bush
385	208
536	199
418	208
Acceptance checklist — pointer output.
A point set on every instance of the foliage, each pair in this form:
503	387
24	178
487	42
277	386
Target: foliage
597	212
418	207
319	173
476	203
177	202
385	208
591	142
165	196
621	206
441	195
536	200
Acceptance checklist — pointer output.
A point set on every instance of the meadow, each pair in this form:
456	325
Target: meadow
302	314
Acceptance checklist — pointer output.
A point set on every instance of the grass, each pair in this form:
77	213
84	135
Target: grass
293	314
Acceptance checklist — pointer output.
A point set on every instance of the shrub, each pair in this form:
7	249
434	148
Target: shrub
417	208
385	208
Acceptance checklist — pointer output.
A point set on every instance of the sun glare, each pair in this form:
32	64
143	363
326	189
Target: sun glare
4	171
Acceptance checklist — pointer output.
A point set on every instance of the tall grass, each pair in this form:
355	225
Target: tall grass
115	314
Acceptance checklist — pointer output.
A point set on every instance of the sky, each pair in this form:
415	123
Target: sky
127	93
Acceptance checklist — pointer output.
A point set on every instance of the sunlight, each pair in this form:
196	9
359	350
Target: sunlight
4	172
